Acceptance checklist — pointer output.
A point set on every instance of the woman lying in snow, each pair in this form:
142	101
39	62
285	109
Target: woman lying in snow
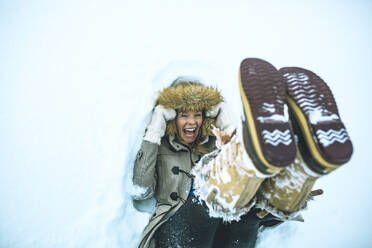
216	188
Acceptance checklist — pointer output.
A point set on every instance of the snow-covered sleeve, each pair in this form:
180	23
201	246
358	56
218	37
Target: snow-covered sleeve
144	172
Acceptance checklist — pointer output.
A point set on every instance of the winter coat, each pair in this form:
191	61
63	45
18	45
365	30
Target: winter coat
154	170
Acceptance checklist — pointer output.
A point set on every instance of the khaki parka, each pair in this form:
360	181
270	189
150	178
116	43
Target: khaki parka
153	172
162	170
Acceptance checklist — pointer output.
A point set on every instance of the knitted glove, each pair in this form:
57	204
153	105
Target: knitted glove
156	129
224	118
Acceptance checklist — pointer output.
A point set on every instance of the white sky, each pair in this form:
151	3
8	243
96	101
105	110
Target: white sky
77	78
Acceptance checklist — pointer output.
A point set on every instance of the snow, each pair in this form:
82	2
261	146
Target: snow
225	176
294	184
319	114
78	79
275	117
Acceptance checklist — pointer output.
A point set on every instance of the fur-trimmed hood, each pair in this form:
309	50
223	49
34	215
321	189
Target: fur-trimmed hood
190	95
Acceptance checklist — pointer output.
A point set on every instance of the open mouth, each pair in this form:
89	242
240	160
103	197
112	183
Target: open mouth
189	132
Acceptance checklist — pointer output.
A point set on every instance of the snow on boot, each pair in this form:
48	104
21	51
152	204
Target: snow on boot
323	140
227	180
267	135
285	194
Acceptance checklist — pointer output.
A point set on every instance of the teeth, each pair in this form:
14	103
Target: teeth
190	129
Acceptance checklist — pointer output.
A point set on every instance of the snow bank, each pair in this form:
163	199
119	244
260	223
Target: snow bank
77	81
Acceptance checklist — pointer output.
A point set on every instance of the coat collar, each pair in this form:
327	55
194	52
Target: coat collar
178	147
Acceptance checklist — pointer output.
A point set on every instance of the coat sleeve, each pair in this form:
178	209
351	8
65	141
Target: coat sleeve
144	172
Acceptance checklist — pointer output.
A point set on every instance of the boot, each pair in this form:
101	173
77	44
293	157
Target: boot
227	180
286	193
267	135
323	139
323	143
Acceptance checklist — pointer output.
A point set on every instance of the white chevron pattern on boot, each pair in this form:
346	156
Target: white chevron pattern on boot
276	137
329	137
305	92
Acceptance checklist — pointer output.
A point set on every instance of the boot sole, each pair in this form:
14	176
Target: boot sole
323	140
267	134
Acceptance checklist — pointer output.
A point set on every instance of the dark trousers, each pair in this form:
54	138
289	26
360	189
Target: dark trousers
191	227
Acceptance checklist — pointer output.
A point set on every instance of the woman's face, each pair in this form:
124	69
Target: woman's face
188	125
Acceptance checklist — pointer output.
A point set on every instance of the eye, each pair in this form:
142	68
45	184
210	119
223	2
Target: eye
184	115
198	114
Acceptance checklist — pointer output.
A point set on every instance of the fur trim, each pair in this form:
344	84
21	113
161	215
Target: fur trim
193	97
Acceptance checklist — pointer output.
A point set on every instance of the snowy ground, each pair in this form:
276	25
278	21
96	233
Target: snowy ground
78	77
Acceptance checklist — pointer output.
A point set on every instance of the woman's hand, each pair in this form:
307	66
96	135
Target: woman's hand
224	117
156	129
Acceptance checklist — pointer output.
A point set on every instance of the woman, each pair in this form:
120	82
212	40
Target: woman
179	134
259	177
170	150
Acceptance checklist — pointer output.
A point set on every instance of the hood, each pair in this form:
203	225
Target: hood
190	95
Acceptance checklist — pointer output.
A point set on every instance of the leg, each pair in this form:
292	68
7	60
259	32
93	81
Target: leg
191	227
244	232
323	142
263	146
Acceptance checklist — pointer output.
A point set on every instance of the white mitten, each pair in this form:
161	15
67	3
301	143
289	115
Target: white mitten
158	124
224	117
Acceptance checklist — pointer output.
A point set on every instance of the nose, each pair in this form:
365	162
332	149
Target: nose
191	120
